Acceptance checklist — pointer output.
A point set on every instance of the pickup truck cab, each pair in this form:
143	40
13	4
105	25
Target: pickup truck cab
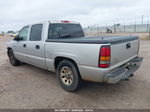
61	47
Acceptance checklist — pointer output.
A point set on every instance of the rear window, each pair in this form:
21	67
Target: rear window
62	30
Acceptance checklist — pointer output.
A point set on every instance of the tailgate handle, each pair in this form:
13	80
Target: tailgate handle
128	45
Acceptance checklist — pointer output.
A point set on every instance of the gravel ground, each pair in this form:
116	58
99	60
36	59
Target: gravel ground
29	87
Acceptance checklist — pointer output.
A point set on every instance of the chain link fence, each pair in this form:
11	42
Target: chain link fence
136	28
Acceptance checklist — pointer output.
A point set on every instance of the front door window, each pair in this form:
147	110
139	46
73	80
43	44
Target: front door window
24	33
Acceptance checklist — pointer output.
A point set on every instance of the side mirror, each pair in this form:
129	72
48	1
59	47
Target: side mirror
17	38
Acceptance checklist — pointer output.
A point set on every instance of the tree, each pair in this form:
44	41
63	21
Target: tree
3	33
11	31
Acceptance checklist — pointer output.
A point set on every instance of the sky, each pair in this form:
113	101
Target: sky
14	14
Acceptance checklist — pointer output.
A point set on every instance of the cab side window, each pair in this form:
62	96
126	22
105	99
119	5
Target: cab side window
36	32
24	33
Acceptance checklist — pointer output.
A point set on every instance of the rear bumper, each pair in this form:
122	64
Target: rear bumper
123	72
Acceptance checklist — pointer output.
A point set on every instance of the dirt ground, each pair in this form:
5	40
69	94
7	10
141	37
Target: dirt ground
29	87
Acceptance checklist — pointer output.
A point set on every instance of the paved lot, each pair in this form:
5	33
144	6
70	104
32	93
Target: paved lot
30	87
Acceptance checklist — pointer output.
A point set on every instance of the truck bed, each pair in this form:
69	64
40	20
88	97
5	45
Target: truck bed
119	53
96	40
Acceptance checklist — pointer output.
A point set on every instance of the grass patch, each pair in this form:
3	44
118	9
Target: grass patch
145	38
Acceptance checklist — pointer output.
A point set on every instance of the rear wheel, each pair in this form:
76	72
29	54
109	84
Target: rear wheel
12	58
68	76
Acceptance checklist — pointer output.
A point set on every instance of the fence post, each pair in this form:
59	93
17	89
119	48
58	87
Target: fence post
91	29
147	27
114	28
124	28
98	29
134	28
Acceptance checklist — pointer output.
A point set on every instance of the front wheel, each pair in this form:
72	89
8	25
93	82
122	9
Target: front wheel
68	76
12	58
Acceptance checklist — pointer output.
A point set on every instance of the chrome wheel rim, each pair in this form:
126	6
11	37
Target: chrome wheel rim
66	75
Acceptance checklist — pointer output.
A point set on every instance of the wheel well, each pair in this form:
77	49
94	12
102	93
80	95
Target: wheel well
59	59
9	48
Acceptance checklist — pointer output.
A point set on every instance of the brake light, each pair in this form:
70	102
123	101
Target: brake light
104	56
64	21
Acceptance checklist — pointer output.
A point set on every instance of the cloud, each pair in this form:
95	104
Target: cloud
17	13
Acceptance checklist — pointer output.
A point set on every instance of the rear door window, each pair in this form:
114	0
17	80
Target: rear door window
36	32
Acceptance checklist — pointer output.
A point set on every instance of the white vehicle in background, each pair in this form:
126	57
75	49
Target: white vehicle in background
13	34
61	47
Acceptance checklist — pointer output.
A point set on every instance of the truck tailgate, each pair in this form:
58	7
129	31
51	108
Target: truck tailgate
124	50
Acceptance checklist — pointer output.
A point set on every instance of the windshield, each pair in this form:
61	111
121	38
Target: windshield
63	30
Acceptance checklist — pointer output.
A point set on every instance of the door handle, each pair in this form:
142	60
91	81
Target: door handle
128	45
24	45
37	47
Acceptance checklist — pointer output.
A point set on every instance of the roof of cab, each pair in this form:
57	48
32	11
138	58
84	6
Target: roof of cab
55	21
64	21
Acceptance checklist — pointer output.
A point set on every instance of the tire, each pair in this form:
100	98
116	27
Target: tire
68	76
12	58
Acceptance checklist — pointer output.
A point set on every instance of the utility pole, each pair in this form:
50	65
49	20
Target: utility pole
142	18
149	30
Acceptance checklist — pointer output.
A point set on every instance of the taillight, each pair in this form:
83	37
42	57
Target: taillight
104	56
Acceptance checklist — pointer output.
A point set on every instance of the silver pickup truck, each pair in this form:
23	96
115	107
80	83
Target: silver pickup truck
61	47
